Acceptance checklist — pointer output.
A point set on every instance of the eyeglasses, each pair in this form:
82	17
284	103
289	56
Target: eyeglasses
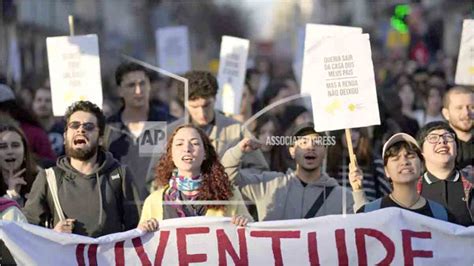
87	126
434	138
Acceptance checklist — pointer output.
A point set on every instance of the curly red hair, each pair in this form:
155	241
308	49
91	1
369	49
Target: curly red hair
215	181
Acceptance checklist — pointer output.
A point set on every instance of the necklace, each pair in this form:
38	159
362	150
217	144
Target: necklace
403	205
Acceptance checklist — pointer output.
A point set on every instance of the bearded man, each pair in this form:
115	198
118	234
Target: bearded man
95	193
458	109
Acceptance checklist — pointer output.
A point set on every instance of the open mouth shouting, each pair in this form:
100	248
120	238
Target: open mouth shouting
10	161
188	159
310	157
80	141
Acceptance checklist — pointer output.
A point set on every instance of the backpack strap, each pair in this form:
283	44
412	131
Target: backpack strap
116	179
53	188
373	205
117	176
319	202
439	212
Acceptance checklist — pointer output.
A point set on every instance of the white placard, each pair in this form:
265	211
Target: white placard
465	66
314	33
231	75
74	71
172	46
339	75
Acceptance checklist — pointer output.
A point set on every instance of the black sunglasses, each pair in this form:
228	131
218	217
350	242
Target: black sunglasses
87	126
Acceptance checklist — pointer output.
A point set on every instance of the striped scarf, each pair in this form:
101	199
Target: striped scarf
178	184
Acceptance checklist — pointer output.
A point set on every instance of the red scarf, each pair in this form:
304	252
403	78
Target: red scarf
7	203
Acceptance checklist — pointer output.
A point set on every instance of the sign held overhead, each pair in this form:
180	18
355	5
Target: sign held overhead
231	75
74	71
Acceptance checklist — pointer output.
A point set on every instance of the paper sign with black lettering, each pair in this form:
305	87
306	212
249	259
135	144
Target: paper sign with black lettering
74	71
465	66
231	75
338	74
313	34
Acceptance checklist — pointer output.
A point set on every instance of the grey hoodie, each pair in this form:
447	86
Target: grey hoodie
280	196
98	208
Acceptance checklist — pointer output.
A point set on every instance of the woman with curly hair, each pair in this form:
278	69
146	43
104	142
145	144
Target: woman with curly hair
188	172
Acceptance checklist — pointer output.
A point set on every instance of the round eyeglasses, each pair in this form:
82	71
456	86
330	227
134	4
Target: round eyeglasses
434	138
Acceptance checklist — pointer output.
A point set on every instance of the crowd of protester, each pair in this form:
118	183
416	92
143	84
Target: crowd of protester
83	173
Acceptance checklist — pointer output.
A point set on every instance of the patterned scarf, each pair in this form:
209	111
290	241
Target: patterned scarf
178	185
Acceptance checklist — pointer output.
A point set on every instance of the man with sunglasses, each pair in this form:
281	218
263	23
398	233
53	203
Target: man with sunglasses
443	182
88	192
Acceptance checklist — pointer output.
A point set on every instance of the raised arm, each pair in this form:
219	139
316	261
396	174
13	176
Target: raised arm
358	194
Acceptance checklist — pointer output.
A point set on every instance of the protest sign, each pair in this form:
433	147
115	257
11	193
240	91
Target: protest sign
338	74
231	75
313	34
74	71
465	66
389	236
172	46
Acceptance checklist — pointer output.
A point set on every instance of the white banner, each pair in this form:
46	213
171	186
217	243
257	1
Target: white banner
389	236
231	75
465	66
172	49
74	71
339	75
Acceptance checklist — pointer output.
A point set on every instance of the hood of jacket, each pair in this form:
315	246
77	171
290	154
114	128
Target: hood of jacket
107	163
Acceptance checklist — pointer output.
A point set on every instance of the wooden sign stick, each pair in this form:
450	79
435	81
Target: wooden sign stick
71	25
